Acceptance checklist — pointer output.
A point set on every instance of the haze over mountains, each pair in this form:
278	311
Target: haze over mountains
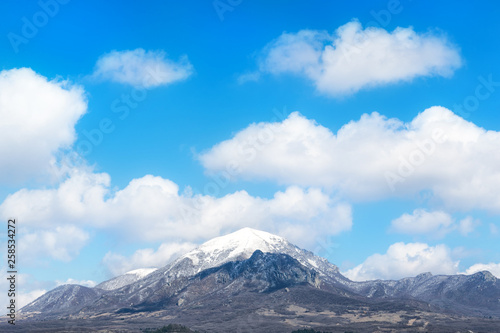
252	281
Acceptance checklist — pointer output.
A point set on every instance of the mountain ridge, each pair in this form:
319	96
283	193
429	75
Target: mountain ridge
225	268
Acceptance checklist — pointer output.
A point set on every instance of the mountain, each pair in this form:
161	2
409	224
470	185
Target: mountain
240	245
125	279
274	285
67	298
259	273
477	294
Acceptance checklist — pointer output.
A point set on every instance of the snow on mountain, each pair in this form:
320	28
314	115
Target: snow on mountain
125	279
65	298
141	272
237	246
227	262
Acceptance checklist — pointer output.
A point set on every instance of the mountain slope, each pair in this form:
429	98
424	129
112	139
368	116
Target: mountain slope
64	299
125	279
477	294
261	273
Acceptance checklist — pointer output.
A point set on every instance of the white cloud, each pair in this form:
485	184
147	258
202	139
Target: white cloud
37	119
25	298
467	225
142	69
371	158
353	58
423	222
405	260
152	209
249	77
145	258
491	267
86	283
62	243
436	224
493	229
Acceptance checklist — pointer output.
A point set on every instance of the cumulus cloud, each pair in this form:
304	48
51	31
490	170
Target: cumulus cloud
468	225
152	209
37	119
436	224
405	260
423	222
86	283
63	243
491	267
353	58
25	298
371	158
141	68
118	264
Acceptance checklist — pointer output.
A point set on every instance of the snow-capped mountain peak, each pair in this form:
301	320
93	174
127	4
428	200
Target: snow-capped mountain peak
238	245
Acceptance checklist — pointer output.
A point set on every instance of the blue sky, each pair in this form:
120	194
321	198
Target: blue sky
115	114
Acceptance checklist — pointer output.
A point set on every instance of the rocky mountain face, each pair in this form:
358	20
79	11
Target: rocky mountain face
261	273
251	271
477	294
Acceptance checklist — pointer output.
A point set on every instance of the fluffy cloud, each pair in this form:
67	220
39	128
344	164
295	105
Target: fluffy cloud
405	260
437	223
86	283
353	58
63	243
491	267
467	225
37	121
371	158
142	69
166	252
152	209
25	298
423	222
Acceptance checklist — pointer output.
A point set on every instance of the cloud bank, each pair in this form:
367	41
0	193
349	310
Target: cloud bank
152	209
372	158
